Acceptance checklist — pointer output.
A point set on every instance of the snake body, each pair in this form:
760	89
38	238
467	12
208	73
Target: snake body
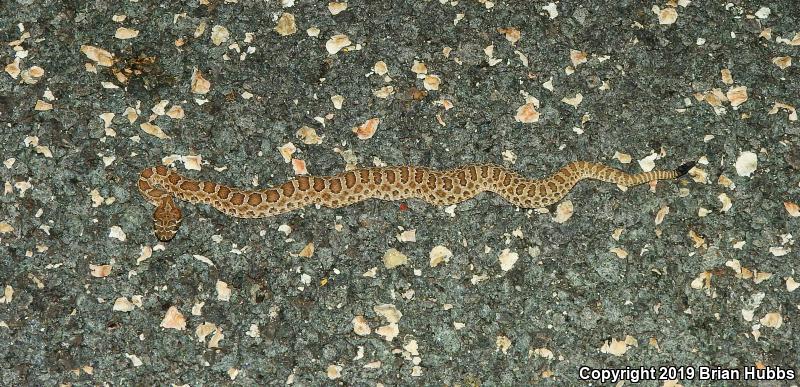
160	185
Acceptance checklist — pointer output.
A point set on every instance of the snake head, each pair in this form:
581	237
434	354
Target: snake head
684	169
166	219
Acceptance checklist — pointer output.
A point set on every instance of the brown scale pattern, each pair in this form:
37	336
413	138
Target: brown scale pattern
161	185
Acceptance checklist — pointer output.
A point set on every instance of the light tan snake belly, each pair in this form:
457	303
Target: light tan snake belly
439	187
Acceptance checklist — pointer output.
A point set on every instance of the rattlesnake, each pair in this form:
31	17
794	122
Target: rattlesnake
439	187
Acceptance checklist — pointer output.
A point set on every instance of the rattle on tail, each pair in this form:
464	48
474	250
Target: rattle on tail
160	185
